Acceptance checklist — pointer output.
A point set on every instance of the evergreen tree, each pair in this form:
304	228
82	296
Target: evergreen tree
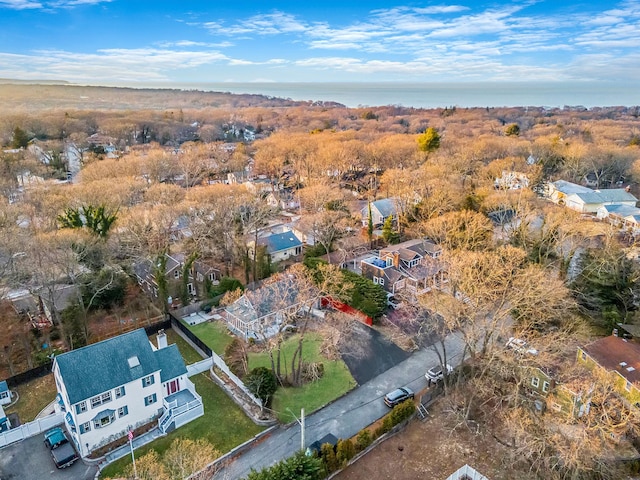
429	141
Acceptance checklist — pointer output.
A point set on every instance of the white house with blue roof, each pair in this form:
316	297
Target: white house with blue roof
120	384
279	246
585	200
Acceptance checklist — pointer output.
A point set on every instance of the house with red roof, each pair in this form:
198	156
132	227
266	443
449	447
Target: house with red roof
620	357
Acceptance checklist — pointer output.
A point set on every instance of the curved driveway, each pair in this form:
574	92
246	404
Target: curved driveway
346	416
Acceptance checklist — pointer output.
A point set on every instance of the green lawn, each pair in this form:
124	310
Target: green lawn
214	334
335	382
186	350
34	396
224	425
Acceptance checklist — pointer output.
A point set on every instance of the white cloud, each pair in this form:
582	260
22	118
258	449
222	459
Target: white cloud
267	24
105	65
191	43
441	9
29	4
19	4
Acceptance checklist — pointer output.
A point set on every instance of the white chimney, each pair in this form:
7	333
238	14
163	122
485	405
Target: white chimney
162	339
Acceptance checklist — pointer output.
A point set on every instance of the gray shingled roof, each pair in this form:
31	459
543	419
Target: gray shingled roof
94	369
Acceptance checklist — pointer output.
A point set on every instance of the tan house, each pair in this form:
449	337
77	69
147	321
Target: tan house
620	358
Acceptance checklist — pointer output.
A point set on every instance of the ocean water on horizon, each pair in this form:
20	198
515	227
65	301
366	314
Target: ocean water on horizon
434	95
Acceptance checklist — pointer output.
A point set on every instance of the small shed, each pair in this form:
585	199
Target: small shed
316	446
5	393
4	421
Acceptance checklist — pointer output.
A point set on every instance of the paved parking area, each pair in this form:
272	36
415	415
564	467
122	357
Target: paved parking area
368	353
30	459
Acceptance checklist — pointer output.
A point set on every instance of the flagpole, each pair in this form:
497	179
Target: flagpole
133	459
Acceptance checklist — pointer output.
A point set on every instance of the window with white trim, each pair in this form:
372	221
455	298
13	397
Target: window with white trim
122	411
120	392
381	280
100	399
556	406
545	386
81	407
176	273
583	355
375	280
150	399
146	381
104	421
85	427
628	386
535	381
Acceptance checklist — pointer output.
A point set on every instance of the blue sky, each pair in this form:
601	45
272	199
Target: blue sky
124	42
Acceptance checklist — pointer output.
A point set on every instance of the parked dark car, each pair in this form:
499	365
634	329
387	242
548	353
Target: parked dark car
399	395
62	450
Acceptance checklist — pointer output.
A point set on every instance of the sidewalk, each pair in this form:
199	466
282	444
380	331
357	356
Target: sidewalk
346	416
125	449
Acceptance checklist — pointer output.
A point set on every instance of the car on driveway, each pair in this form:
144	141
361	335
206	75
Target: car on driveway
62	450
435	374
399	395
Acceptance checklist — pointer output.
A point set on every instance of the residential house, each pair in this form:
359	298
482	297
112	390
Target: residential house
279	246
584	199
413	265
261	185
262	313
571	397
5	424
620	358
200	275
112	387
283	200
42	306
5	393
380	211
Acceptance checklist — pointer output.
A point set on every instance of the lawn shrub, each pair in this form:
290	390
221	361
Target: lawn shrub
363	440
346	451
329	458
298	467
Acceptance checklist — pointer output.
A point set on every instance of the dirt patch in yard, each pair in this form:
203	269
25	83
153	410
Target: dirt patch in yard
432	450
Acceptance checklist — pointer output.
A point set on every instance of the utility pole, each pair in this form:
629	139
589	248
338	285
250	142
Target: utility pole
302	442
301	423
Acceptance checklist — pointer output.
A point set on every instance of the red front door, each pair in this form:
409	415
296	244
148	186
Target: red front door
173	386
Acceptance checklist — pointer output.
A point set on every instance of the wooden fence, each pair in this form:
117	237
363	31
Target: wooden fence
328	302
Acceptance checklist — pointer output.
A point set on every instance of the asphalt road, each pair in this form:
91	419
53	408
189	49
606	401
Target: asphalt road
30	459
346	416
